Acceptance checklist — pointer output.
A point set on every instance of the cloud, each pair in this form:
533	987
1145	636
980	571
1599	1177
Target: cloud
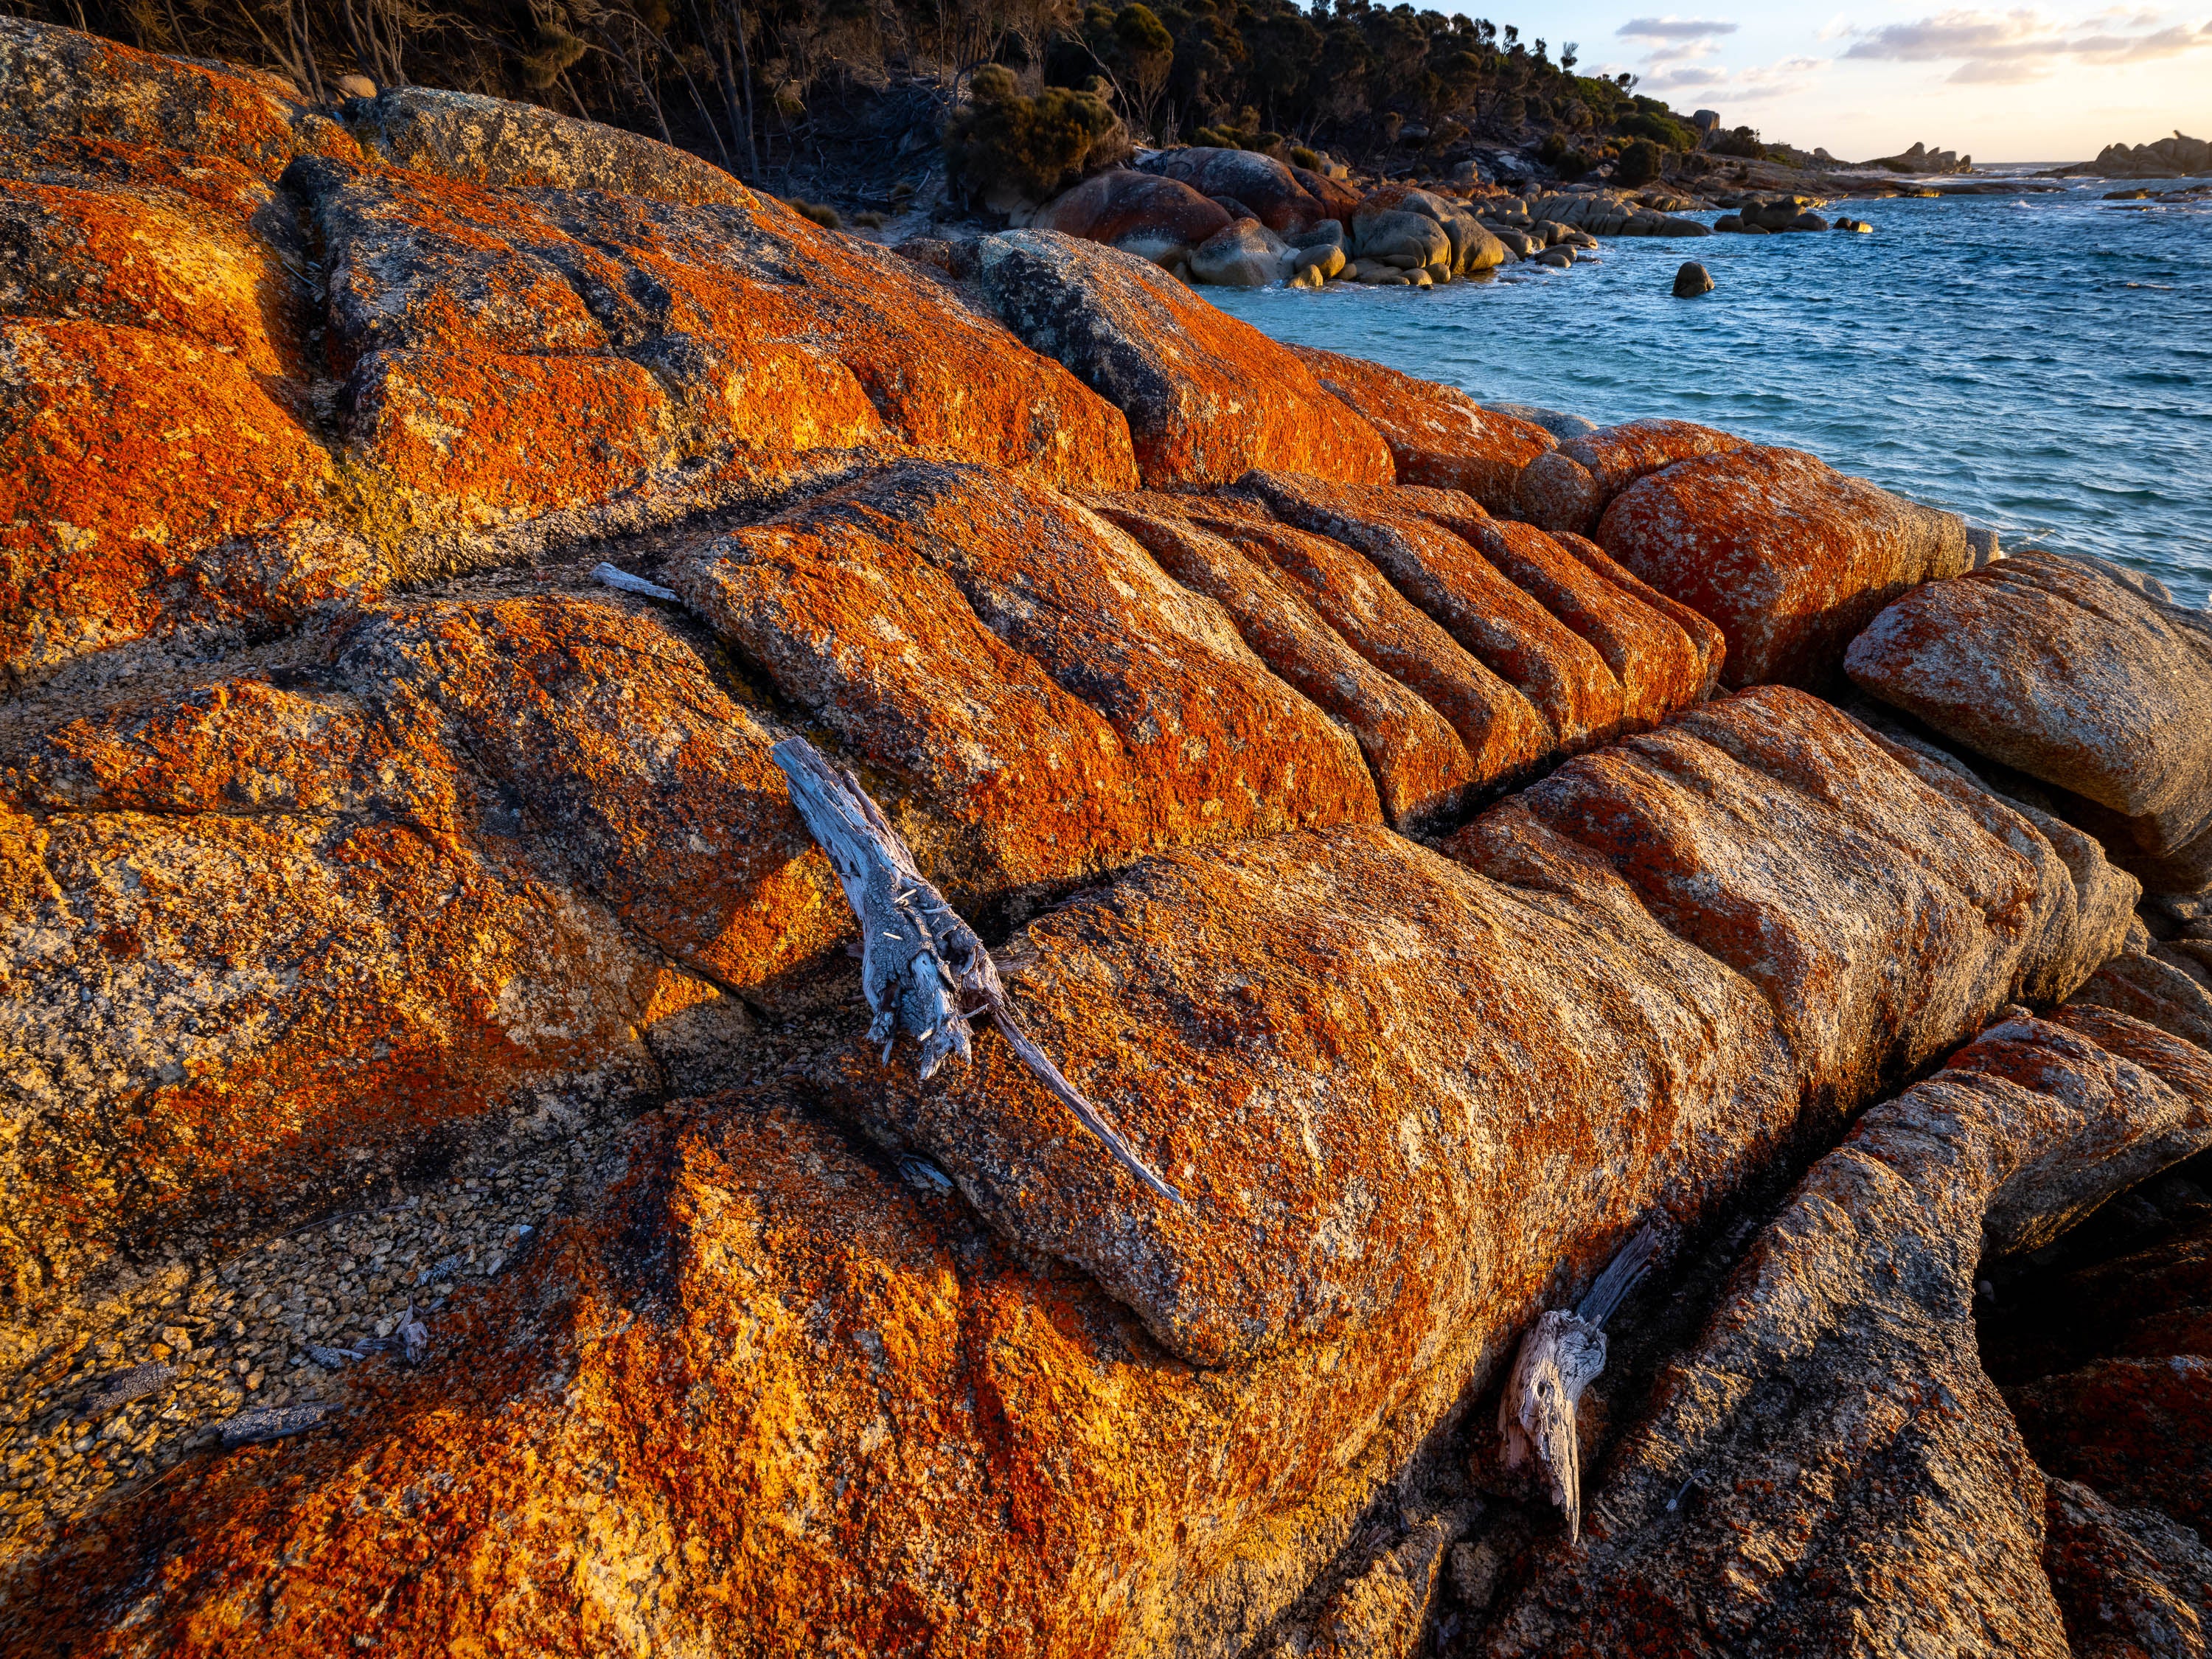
2010	48
1675	28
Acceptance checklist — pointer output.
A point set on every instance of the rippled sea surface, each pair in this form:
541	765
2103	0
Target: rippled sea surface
2042	363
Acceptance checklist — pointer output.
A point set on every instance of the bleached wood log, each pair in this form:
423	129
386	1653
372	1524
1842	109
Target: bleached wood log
1559	1359
922	969
614	577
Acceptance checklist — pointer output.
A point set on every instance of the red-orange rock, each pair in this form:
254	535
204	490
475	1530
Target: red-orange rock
1422	770
1570	486
1026	673
145	479
716	345
1267	186
2050	666
1158	218
1529	648
1703	634
1504	736
65	85
2137	1431
768	1396
1438	434
1789	556
2126	1580
1207	397
278	940
1740	824
1658	663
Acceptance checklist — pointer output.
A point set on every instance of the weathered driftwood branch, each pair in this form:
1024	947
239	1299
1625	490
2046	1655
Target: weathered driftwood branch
1559	1359
922	966
614	577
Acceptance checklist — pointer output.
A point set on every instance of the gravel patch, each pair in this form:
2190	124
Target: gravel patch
208	1352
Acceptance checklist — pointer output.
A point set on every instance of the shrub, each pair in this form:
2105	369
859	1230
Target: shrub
1308	159
1658	129
1034	147
1640	163
870	221
820	213
1743	142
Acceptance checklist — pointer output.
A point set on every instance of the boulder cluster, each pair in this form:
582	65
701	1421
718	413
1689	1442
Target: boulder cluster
2177	157
1240	219
1766	216
1447	850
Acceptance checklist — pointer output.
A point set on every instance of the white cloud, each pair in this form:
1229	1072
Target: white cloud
2010	48
1675	28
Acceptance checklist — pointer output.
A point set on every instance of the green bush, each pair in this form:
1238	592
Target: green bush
1308	159
1743	142
1640	163
1035	146
1659	128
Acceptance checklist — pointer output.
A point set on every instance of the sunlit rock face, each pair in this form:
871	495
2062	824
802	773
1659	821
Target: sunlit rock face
1340	775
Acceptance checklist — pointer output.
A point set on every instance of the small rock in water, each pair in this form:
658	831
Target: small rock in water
1692	280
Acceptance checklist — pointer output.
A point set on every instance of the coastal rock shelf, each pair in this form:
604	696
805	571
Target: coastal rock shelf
1446	848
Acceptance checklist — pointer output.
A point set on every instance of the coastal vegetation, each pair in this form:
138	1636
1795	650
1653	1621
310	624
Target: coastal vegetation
813	95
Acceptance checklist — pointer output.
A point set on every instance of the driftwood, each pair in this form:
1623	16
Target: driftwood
922	969
614	577
1559	1359
116	1390
260	1423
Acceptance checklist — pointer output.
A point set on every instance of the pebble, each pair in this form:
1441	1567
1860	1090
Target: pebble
209	1351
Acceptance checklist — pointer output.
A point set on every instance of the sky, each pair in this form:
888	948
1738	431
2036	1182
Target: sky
2034	84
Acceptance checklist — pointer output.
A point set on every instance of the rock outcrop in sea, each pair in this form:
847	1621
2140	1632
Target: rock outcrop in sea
454	1203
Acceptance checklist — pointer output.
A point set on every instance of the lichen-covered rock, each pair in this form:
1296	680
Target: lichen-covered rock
1358	1060
717	343
1504	735
1268	187
261	374
1743	825
1828	1470
1789	556
148	481
1025	672
1423	771
1563	676
1155	218
295	931
2050	666
1208	398
1569	487
83	90
491	141
1663	655
1438	434
2138	1430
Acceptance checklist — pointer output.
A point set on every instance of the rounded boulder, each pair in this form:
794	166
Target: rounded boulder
1247	254
1159	219
1691	281
1261	182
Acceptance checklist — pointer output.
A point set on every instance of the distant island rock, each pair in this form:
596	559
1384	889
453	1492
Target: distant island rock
2177	157
1921	159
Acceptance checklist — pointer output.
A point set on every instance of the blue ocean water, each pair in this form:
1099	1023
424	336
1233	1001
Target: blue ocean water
2041	362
